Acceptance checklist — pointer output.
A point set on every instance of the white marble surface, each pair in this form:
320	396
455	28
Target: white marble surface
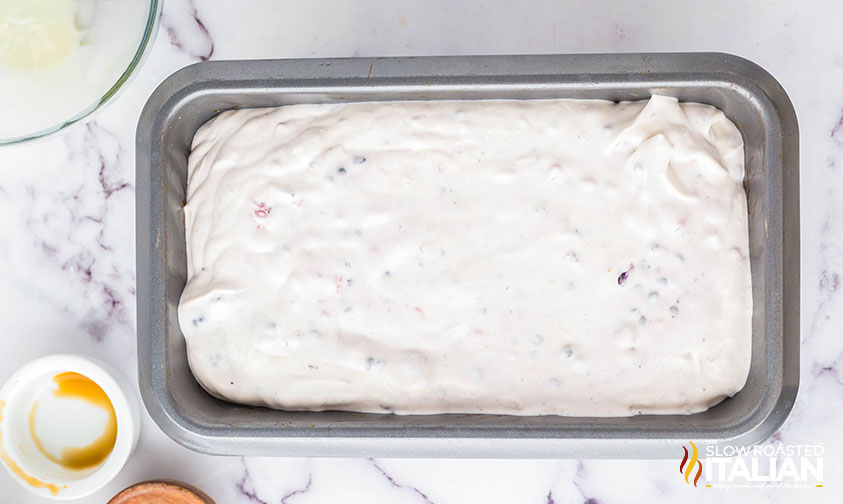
67	228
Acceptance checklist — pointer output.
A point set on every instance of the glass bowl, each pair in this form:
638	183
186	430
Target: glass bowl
62	60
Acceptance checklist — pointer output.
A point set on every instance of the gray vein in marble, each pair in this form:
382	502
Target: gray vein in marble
395	484
110	183
833	369
201	38
109	187
251	495
579	476
837	127
829	281
58	233
299	491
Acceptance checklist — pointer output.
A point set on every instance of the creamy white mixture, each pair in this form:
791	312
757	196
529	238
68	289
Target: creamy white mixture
529	257
59	57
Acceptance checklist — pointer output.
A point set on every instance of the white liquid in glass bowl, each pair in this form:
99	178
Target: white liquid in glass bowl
62	59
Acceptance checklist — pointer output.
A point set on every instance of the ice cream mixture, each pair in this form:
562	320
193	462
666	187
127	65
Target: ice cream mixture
569	257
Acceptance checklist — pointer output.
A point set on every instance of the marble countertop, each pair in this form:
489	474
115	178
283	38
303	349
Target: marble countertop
67	275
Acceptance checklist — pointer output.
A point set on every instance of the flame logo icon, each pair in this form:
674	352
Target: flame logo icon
686	467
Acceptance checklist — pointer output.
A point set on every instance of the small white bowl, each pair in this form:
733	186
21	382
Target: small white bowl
18	451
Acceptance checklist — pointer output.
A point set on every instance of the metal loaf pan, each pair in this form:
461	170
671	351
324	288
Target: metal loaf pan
746	93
